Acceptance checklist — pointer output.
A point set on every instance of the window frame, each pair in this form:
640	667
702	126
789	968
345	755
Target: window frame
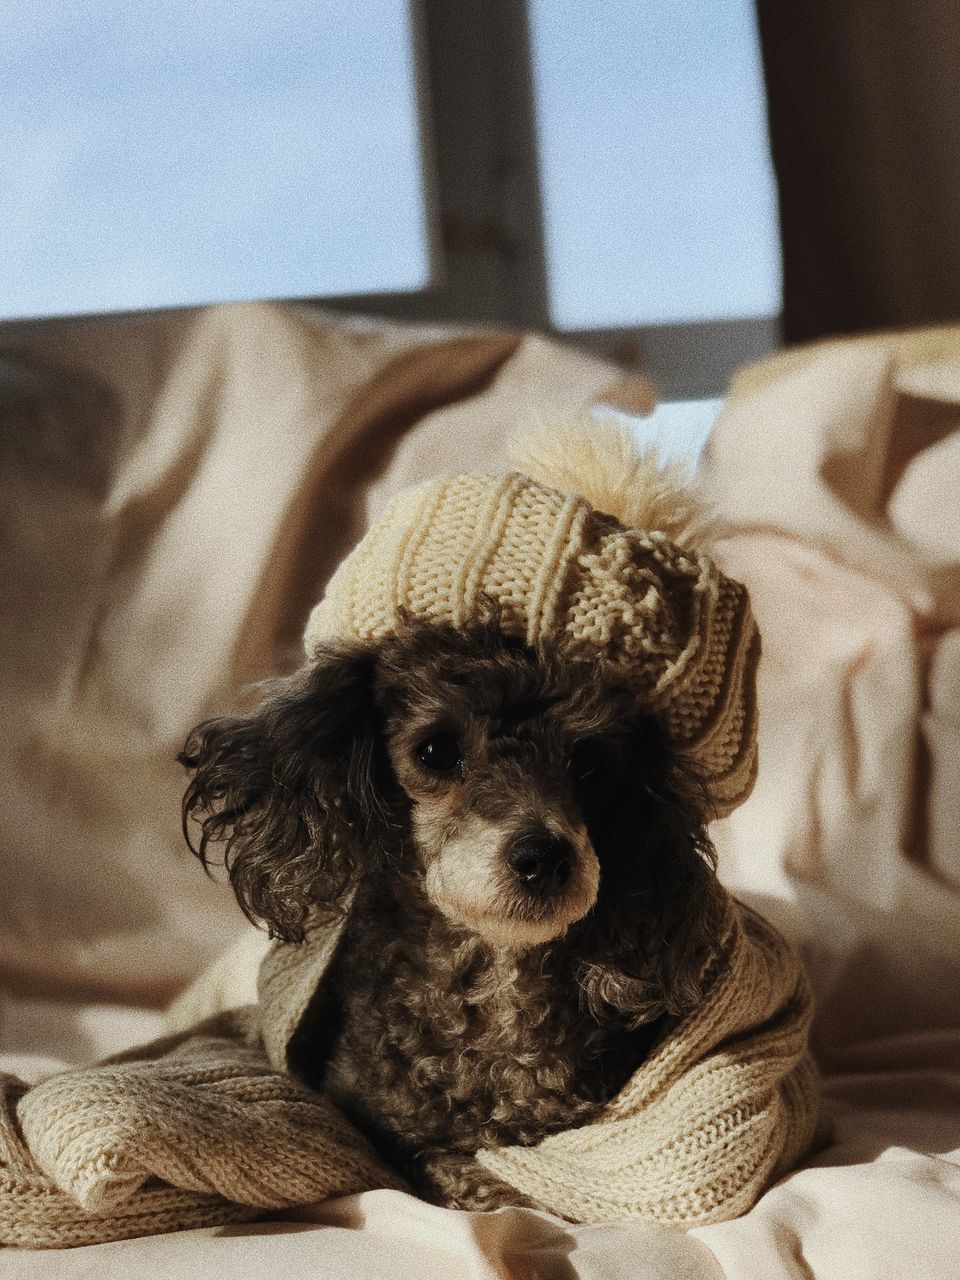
485	209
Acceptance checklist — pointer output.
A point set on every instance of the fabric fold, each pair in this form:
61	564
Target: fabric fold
207	1127
200	1130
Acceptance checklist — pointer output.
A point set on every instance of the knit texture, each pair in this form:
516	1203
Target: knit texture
209	1128
195	1130
725	1104
565	570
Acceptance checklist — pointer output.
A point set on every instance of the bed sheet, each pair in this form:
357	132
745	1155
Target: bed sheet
837	474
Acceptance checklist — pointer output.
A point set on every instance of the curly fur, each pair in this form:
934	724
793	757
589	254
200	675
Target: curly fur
434	1035
296	792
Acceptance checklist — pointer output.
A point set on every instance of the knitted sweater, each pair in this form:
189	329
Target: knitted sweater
208	1127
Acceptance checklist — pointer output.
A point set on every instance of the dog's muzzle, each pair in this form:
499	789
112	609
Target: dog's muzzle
516	890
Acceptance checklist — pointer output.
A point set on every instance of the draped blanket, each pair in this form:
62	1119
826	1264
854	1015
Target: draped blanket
208	1127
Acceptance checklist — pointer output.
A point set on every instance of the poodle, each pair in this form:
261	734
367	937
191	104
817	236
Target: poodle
522	863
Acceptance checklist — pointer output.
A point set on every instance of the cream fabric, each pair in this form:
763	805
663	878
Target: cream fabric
209	1127
174	491
204	1131
382	1234
850	544
838	469
849	841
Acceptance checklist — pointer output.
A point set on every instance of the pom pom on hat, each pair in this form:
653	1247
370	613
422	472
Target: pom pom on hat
598	458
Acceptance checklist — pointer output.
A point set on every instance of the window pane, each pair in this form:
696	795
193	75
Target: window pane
191	151
658	191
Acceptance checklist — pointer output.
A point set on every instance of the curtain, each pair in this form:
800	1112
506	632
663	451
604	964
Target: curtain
864	108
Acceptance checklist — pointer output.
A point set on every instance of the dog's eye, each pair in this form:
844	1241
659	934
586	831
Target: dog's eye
439	753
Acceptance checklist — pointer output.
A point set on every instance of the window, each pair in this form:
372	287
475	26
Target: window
597	169
163	154
658	195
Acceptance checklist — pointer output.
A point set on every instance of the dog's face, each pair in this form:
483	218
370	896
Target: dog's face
494	750
526	795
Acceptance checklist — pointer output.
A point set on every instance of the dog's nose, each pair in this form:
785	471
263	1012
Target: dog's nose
541	861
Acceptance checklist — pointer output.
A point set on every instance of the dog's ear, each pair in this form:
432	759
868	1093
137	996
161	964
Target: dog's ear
293	791
664	910
686	903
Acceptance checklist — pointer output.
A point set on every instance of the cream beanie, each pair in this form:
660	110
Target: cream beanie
586	546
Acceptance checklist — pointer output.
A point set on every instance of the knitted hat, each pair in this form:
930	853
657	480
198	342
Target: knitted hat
627	588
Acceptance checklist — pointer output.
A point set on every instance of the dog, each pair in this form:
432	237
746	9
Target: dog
522	862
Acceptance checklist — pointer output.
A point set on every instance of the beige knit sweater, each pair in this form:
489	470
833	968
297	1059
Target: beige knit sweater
208	1127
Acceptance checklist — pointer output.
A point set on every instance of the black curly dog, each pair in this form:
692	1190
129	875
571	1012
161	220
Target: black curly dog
524	867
